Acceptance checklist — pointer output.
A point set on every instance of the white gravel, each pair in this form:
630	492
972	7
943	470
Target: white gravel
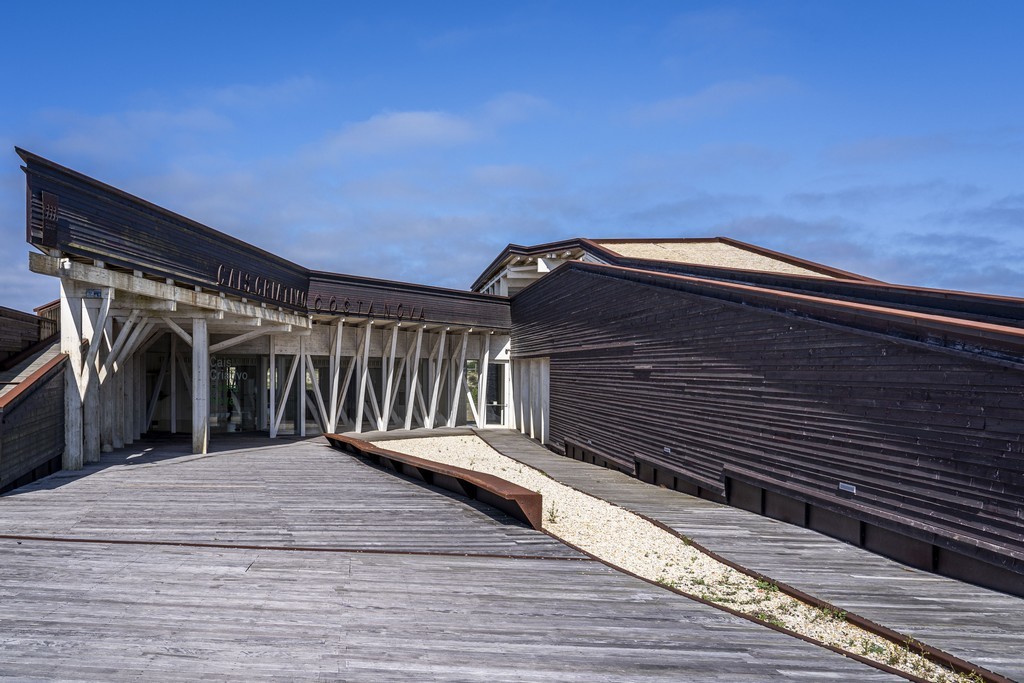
626	540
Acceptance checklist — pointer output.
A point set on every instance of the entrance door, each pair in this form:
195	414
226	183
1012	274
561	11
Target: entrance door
234	393
495	397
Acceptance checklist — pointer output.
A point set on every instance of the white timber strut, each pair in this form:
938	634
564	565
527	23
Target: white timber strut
201	386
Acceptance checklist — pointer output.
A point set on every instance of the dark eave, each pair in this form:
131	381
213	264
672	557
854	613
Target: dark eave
521	250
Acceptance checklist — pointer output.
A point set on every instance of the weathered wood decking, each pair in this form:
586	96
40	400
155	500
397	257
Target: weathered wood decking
983	626
115	611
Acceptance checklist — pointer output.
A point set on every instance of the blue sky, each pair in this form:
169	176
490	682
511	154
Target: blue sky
413	140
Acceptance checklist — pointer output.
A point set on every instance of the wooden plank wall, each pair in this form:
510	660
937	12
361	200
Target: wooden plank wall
356	296
32	431
18	331
649	377
96	221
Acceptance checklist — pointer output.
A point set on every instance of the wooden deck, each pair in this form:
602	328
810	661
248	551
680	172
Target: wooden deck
983	626
497	602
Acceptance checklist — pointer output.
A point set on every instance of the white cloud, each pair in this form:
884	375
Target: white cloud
402	131
243	95
713	100
125	135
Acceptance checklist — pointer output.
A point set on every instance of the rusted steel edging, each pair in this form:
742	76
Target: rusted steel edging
519	502
927	651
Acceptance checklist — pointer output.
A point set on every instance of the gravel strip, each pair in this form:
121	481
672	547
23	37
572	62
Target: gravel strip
627	540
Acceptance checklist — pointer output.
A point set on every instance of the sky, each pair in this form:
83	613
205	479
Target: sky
413	141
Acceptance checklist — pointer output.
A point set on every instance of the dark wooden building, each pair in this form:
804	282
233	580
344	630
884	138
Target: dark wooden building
888	416
895	426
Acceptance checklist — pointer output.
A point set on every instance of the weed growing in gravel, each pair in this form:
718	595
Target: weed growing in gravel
552	515
767	586
769	618
833	613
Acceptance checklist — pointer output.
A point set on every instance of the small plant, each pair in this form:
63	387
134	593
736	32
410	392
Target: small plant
700	581
833	613
767	586
552	515
769	618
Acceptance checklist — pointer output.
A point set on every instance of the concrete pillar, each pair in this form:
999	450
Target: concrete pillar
128	391
200	386
174	384
483	370
90	376
302	386
107	401
273	387
71	344
140	395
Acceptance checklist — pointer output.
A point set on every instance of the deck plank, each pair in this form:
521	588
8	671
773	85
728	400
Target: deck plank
110	611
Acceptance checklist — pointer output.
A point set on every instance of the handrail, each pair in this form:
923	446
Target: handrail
28	383
519	502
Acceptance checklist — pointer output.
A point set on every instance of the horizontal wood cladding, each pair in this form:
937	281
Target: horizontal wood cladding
83	217
967	305
32	429
691	385
355	296
18	331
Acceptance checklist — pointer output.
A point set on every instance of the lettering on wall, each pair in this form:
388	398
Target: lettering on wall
258	285
370	309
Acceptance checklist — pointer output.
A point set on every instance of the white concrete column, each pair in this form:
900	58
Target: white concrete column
71	344
482	378
174	384
273	387
93	321
140	395
200	386
302	387
128	415
108	403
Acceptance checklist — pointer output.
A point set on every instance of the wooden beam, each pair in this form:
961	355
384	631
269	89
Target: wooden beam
122	338
336	373
287	392
482	379
317	393
242	338
363	377
157	386
460	372
176	328
388	376
412	385
437	368
51	265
